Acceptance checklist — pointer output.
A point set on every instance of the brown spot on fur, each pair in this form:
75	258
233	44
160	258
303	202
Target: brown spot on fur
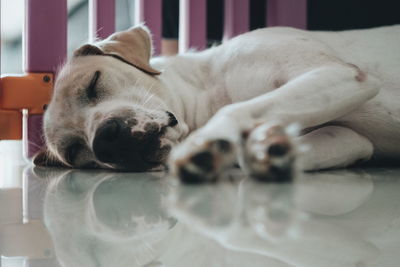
245	134
278	83
151	127
282	141
361	76
180	162
276	130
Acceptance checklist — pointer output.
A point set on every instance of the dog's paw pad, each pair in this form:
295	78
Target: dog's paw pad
269	154
223	146
202	161
278	149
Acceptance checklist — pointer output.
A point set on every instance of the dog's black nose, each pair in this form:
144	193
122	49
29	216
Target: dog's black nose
115	143
172	121
107	141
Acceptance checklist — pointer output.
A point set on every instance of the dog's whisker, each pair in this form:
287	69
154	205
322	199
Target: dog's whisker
31	143
150	96
147	248
145	95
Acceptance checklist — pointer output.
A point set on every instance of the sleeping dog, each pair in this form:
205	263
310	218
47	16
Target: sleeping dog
115	107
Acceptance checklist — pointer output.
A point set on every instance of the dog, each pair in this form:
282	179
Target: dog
115	107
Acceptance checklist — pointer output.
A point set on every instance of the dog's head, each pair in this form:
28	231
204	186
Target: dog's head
109	108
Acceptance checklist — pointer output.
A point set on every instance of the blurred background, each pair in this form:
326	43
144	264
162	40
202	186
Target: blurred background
12	20
322	15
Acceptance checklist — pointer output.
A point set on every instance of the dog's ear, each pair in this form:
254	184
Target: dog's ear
88	50
132	46
44	158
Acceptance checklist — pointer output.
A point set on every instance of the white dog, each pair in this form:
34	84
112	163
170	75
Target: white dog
111	108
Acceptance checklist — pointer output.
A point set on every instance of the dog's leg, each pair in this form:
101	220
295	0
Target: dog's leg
269	153
313	98
333	147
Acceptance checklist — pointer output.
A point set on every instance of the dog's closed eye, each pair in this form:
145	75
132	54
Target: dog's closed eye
91	90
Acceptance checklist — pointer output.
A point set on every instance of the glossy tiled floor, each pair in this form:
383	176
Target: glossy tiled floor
51	217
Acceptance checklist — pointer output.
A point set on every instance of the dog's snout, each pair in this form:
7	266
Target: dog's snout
116	143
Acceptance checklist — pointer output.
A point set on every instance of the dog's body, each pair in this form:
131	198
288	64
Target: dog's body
342	88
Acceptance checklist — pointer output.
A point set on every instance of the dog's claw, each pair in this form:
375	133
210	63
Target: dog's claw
269	154
199	161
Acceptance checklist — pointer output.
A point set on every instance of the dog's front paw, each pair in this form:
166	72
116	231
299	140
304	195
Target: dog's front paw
269	154
199	160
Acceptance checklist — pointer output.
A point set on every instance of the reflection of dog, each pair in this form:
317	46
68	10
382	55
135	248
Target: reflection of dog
112	109
122	219
277	220
105	219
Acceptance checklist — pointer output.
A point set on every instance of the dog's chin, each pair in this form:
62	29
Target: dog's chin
150	167
149	163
